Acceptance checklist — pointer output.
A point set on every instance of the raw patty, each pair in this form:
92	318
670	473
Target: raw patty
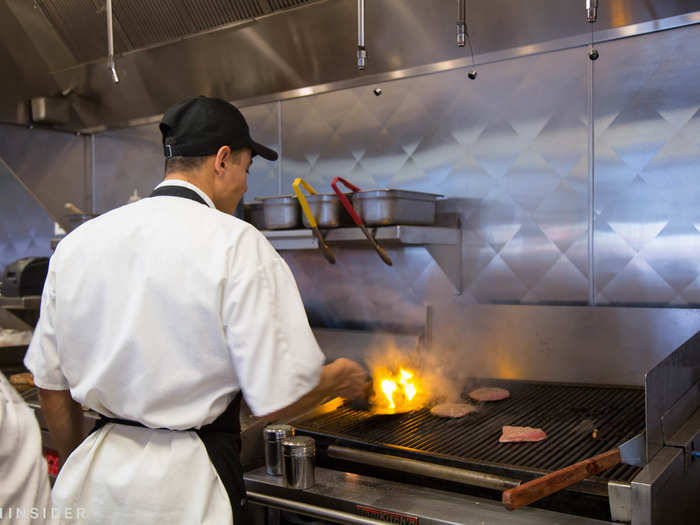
452	410
22	382
489	394
518	434
25	378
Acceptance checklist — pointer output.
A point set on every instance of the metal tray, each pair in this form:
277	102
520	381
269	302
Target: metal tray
254	213
387	206
281	212
327	210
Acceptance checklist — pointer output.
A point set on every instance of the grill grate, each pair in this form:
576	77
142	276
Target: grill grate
567	413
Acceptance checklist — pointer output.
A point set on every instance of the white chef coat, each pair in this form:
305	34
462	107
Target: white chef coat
159	312
24	478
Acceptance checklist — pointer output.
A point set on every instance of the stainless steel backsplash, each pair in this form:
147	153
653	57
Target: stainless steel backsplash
512	151
25	227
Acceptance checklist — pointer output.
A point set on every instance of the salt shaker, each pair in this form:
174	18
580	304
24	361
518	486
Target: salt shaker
273	436
298	455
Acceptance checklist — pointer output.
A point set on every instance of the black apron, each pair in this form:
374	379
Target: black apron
221	437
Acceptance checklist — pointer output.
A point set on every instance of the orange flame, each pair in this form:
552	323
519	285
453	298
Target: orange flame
397	392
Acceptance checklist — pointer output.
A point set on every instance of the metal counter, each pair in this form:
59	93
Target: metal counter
350	498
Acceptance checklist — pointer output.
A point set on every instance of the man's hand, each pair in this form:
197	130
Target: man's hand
342	378
349	379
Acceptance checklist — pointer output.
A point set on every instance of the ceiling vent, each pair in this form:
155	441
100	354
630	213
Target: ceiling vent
142	23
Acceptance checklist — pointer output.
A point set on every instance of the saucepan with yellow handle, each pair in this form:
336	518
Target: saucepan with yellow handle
327	253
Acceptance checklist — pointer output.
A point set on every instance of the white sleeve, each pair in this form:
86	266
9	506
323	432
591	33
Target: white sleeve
42	355
275	354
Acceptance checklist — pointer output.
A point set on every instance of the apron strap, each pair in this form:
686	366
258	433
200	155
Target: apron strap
178	191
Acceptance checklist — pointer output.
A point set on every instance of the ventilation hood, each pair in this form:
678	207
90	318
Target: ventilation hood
242	50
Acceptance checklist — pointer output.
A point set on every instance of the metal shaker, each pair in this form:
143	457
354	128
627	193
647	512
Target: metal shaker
273	436
298	462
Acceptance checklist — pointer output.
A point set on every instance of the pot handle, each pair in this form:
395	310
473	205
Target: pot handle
327	253
302	199
358	220
344	200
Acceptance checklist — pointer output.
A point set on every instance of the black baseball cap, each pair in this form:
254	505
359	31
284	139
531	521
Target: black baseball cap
200	126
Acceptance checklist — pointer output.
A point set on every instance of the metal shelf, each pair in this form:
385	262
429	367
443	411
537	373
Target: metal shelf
401	234
443	243
27	302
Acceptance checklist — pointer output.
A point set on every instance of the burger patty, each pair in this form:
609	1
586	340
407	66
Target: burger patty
452	410
489	394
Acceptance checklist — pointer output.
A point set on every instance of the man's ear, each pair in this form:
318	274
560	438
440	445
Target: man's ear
222	156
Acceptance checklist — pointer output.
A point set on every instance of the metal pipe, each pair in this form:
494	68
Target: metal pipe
310	510
461	22
422	468
591	11
361	51
110	44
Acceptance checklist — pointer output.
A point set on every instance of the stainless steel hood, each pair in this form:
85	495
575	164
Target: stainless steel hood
243	49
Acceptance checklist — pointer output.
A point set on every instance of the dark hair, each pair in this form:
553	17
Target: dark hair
175	164
178	164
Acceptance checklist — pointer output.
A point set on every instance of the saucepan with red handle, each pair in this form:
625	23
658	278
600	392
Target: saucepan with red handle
631	452
356	218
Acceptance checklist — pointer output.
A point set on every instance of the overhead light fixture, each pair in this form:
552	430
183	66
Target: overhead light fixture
463	34
591	11
111	62
361	51
591	18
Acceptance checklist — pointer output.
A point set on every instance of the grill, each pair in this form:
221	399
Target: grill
568	414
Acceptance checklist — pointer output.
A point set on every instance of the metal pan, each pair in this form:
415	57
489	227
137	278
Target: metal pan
254	213
327	210
387	206
281	212
366	406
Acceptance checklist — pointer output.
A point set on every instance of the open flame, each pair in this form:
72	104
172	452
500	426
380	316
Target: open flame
397	392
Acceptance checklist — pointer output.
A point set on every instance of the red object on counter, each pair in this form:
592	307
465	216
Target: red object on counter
52	461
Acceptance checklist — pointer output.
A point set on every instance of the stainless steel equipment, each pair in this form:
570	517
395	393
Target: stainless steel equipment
273	435
298	455
24	277
327	211
417	453
281	212
254	213
387	206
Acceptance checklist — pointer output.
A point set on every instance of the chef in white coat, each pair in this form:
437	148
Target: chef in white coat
159	315
24	479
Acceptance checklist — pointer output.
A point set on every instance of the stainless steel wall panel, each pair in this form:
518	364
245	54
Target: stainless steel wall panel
127	160
50	163
513	149
263	177
647	112
25	227
381	294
